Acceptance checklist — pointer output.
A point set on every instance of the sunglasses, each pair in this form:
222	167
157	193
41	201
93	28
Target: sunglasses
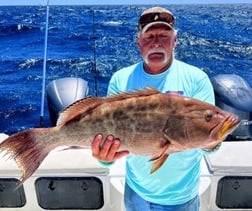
154	17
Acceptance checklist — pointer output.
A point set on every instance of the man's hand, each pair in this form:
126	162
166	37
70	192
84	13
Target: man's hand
107	150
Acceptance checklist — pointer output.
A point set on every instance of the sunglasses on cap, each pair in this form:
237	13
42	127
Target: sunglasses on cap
155	17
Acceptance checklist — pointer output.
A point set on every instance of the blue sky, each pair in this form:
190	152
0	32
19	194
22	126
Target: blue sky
91	2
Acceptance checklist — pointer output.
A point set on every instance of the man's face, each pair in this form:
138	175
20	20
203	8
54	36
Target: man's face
156	46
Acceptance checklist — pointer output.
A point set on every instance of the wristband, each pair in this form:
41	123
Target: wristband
105	164
216	148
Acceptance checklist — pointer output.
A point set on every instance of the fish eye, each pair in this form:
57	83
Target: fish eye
208	115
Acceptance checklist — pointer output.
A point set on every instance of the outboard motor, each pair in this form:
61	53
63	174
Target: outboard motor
233	94
62	93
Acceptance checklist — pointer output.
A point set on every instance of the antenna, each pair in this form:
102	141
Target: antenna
94	55
44	68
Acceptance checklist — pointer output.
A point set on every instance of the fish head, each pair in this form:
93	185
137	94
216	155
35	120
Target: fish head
197	124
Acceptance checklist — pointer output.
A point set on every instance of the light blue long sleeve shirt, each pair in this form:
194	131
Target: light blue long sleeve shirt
177	181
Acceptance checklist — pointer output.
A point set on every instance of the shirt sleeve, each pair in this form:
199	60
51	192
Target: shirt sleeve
204	90
113	87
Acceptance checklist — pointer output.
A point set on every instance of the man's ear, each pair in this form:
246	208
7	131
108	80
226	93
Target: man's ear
175	42
137	42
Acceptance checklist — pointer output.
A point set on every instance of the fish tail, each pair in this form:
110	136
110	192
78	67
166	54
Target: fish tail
26	150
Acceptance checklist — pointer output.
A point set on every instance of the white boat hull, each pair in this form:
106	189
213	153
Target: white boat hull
79	163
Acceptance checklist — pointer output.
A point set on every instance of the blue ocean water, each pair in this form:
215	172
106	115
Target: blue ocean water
92	42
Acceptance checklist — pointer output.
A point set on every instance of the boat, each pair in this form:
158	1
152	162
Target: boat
74	180
226	177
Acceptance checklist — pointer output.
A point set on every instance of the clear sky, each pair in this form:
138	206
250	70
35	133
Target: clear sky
92	2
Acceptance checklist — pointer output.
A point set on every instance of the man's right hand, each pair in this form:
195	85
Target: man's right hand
107	150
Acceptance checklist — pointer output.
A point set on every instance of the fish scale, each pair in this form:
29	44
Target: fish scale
147	122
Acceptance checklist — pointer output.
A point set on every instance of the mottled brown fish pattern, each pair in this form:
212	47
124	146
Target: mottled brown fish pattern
148	123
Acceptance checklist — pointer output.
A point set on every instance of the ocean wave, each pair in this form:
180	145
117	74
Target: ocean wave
92	42
63	62
29	63
112	23
28	112
235	50
13	29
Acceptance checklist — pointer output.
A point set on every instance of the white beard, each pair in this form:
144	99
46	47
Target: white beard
156	50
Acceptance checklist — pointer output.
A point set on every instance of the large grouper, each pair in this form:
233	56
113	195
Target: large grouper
147	122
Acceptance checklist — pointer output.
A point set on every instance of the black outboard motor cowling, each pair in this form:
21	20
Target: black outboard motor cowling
62	93
233	94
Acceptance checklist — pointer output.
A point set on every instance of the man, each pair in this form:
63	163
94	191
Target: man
175	185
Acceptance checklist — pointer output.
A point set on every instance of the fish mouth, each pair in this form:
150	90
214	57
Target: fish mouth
222	130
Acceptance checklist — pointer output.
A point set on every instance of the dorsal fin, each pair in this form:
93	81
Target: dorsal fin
82	106
138	93
77	108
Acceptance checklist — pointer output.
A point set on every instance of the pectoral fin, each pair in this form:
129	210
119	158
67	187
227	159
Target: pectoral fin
159	159
154	158
159	162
